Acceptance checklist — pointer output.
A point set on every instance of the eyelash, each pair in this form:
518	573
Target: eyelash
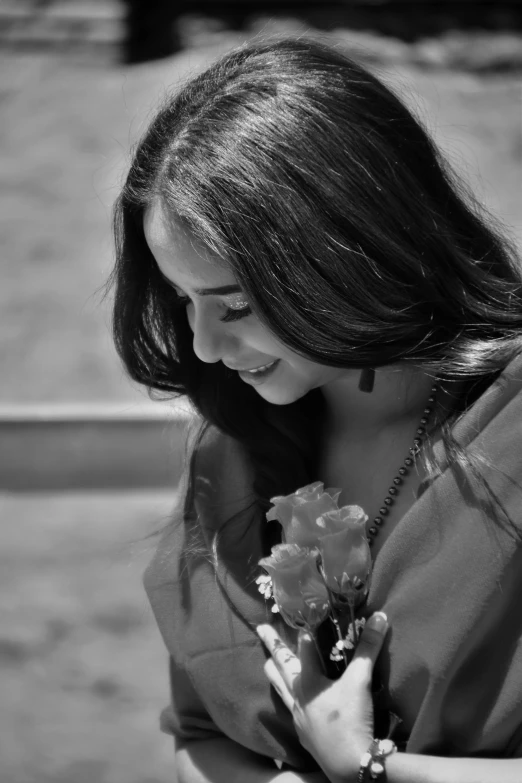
236	315
230	315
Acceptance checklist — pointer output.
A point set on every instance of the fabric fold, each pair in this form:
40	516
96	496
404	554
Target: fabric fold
448	578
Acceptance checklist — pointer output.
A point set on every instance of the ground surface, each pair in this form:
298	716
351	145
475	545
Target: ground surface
83	671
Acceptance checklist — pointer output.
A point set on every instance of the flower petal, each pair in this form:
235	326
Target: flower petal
298	588
346	561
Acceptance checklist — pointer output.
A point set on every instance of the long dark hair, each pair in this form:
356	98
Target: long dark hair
321	191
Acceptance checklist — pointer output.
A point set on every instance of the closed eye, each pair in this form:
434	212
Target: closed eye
230	314
236	315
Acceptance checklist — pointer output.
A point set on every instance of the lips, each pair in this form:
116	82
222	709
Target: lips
252	369
257	375
261	368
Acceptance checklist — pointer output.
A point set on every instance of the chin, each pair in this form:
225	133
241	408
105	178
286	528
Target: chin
278	396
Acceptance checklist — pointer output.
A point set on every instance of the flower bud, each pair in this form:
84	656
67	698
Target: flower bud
345	555
299	512
298	587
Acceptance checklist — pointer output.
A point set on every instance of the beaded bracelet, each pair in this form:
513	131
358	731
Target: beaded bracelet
373	760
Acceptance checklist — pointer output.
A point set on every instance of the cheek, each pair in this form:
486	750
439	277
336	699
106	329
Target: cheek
300	367
190	315
267	343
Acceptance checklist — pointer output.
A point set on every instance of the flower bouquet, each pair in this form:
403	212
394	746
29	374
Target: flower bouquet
319	577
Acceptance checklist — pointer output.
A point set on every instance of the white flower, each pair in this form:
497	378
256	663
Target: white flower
348	642
264	585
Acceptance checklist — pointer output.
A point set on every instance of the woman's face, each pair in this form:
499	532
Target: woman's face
225	330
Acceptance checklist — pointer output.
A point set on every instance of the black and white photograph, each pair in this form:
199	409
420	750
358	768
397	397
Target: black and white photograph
261	391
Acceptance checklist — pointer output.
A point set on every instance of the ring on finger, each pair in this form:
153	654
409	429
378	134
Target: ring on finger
284	657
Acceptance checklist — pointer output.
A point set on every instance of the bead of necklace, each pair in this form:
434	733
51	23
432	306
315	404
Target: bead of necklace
405	468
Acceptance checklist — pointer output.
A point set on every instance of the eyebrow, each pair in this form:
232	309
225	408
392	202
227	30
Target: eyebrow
220	291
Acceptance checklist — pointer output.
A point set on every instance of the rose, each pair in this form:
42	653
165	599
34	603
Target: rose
310	517
317	532
299	513
298	588
346	560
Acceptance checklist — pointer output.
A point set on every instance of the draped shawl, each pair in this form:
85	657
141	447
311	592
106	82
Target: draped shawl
449	579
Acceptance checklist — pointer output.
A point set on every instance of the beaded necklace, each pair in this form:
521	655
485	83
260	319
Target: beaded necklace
405	468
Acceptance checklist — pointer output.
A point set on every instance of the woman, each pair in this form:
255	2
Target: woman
294	257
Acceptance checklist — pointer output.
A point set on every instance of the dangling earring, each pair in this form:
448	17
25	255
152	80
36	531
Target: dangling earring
367	380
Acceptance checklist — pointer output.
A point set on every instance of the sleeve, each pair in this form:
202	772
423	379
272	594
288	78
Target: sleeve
186	717
180	575
167	582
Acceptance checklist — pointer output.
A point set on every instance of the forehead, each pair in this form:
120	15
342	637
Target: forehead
180	255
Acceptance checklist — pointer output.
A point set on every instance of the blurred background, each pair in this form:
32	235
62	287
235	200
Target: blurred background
88	465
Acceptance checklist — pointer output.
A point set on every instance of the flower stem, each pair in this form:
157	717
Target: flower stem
354	627
319	653
335	621
334	618
340	637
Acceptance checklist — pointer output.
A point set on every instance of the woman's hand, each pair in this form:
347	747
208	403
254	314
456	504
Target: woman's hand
333	718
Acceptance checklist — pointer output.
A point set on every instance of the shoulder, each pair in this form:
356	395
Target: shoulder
216	485
211	449
497	410
220	475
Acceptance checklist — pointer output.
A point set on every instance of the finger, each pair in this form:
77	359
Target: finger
286	661
369	646
312	667
276	680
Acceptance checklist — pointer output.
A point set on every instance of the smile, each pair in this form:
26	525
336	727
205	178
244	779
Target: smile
258	375
261	369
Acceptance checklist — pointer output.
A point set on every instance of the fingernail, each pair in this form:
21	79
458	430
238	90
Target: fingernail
378	621
260	630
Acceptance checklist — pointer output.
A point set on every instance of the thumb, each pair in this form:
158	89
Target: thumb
370	644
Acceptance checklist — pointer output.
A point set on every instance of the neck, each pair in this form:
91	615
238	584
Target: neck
399	395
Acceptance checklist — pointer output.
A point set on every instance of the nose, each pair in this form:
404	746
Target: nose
211	340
